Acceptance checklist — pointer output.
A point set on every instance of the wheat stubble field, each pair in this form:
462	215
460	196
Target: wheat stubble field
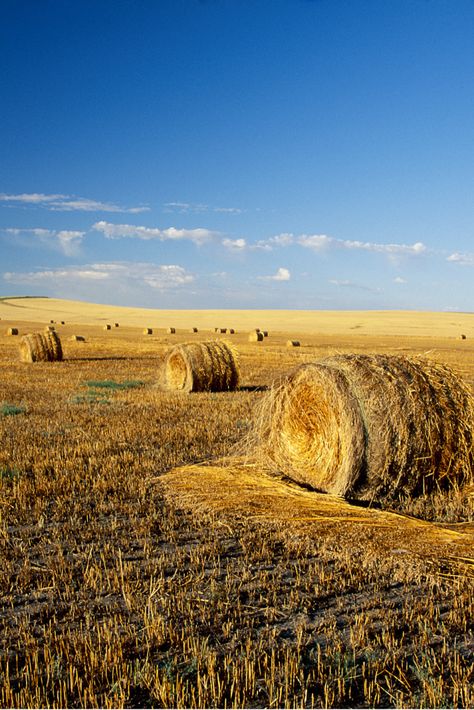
146	561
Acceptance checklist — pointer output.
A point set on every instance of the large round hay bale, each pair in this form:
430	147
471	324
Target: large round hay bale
41	347
255	337
210	366
370	427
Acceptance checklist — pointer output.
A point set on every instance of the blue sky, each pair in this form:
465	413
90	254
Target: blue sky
314	154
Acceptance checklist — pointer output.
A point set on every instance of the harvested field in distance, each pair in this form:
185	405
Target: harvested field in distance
145	565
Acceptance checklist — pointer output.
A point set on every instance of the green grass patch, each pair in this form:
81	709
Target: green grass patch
10	410
112	385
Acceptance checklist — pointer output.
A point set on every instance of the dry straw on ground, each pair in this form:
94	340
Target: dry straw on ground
210	366
255	337
370	427
41	347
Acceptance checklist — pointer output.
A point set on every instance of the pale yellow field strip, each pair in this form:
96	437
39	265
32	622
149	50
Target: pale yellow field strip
403	323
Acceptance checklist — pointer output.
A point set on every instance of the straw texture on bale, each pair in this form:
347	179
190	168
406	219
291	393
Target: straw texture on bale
292	343
12	331
41	347
370	427
255	337
210	366
148	331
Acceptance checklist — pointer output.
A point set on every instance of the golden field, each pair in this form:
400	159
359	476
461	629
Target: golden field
146	562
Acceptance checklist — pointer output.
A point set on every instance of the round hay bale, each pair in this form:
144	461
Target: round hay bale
63	322
107	326
116	325
193	330
51	321
462	336
293	343
231	331
370	427
78	338
265	333
170	331
255	337
223	330
49	329
12	331
148	331
210	366
41	347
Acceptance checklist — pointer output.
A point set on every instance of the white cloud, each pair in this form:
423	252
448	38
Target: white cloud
234	244
346	283
198	207
322	241
156	276
68	203
466	259
67	240
122	231
316	241
399	280
282	274
280	240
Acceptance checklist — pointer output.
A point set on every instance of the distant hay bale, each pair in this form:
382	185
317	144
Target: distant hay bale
116	325
148	331
210	366
78	338
223	330
231	331
63	323
257	330
49	329
107	326
293	344
51	321
255	337
12	331
170	331
462	337
265	333
216	330
41	347
193	330
370	427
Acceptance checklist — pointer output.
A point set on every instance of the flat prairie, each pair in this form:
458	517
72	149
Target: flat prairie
146	561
